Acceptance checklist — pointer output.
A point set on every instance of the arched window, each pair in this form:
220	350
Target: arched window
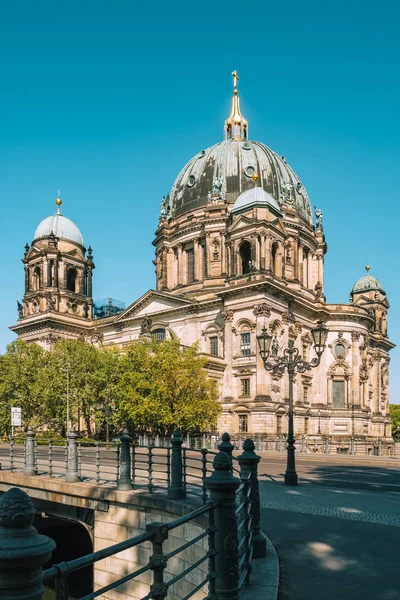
36	278
158	335
71	280
274	250
245	255
50	273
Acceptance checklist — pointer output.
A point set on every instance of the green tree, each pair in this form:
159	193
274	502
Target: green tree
395	414
77	370
163	385
22	370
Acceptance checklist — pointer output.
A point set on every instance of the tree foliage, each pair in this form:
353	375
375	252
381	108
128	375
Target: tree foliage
153	387
163	385
395	414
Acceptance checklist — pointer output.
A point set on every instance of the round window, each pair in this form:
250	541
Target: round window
191	180
340	350
246	146
74	308
249	171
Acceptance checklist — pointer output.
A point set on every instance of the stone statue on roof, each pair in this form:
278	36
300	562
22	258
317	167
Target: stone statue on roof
318	215
165	211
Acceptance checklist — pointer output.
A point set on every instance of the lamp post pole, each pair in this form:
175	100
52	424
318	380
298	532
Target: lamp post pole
319	421
292	361
66	370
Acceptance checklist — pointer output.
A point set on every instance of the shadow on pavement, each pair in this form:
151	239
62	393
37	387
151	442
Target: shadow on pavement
328	557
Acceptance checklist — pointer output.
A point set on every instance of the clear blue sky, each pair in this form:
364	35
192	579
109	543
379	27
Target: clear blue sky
108	100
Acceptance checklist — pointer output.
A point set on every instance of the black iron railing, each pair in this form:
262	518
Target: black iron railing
157	534
230	519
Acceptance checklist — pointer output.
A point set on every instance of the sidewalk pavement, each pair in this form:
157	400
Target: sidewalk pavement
333	543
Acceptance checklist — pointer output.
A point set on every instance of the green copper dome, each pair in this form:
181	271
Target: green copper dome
367	283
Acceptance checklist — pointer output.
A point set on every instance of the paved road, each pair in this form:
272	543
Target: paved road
334	541
358	472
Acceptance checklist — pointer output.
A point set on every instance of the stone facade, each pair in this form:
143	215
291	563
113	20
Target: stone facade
237	251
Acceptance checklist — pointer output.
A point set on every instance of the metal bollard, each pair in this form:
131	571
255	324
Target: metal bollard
177	488
29	468
248	462
124	480
222	486
23	552
72	457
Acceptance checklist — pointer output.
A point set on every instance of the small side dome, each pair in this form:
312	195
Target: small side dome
257	196
367	283
59	226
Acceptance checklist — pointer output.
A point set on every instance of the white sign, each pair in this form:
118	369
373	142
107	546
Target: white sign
16	417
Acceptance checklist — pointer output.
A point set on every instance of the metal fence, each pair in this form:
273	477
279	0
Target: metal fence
324	444
230	516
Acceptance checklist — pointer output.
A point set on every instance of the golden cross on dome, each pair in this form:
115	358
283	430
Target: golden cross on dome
235	79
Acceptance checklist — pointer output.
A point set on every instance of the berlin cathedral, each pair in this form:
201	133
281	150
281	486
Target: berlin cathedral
237	250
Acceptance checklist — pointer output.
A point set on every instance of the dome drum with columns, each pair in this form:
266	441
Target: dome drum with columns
58	282
236	251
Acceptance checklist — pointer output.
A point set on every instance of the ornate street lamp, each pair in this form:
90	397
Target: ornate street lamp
292	361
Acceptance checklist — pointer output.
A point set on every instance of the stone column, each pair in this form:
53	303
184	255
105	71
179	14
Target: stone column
312	265
23	552
81	280
26	279
180	264
197	257
268	252
41	275
355	359
376	379
224	269
321	270
257	252
170	268
228	351
164	268
233	259
208	255
278	260
49	274
296	266
55	282
305	258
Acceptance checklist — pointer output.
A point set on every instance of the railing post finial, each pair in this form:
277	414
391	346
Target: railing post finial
23	552
226	446
248	462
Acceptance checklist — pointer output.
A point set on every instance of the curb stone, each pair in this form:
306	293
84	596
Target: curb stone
264	580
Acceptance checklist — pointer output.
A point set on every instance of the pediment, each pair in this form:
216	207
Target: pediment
152	302
33	252
240	223
280	226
